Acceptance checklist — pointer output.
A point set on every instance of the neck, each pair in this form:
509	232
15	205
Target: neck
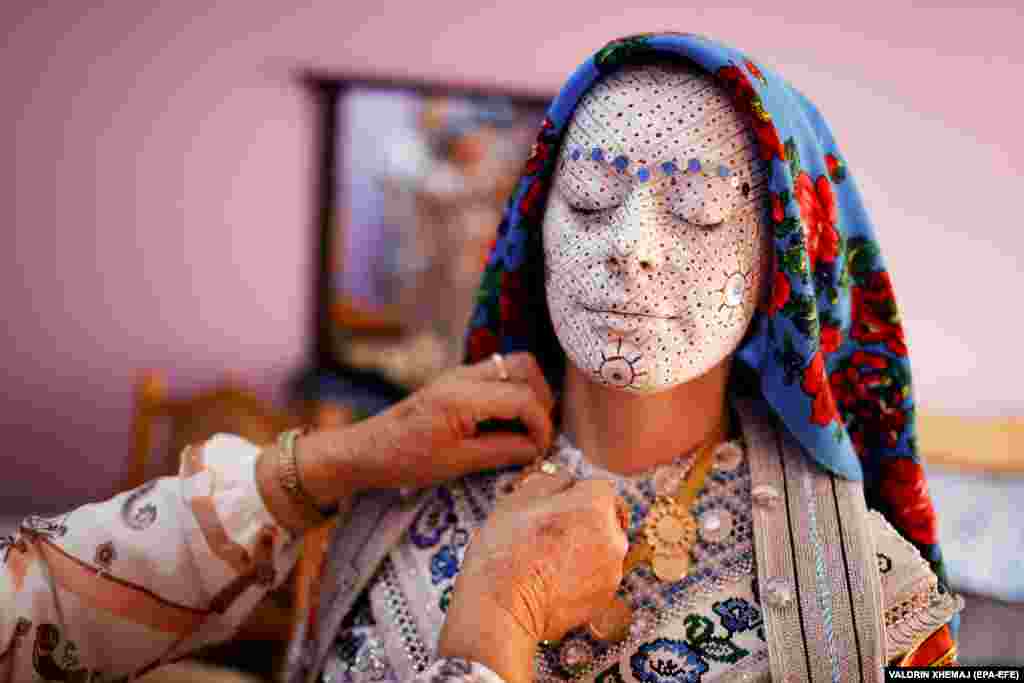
628	433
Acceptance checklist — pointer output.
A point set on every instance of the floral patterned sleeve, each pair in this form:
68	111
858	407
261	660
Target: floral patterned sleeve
457	670
110	590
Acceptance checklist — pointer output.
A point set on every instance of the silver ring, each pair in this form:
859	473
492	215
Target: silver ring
502	370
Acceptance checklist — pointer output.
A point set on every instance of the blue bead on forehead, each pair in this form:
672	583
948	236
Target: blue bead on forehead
621	163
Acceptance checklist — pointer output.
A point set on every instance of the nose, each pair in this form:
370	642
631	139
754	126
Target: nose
633	232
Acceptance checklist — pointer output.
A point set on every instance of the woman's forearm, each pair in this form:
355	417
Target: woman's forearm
144	577
333	467
295	515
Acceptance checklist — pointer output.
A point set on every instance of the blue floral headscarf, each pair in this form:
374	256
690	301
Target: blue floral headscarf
826	352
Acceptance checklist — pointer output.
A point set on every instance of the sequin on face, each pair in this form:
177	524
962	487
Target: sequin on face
653	281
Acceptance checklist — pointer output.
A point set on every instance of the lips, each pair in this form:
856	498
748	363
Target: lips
636	312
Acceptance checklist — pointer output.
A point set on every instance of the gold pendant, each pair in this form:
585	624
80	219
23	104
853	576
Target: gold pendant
670	529
671	567
670	532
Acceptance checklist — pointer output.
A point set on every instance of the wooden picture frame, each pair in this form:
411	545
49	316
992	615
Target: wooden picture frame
343	326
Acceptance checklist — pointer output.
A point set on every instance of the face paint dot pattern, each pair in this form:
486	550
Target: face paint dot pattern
669	266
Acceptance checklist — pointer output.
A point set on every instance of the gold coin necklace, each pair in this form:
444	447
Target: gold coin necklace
668	534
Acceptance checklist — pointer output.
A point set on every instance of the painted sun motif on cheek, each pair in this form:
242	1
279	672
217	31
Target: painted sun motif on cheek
622	369
732	297
652	276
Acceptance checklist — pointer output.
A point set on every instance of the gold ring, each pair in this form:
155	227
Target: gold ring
502	370
542	466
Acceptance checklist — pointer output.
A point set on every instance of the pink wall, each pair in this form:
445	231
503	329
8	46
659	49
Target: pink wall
158	193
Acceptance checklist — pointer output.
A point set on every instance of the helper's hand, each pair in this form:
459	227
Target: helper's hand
548	559
434	435
430	437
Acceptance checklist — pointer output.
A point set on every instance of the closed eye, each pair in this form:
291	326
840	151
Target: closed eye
590	210
706	226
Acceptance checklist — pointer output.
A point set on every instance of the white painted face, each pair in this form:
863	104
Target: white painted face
653	270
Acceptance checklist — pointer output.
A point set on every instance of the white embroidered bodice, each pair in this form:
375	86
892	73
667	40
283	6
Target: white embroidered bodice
708	623
708	626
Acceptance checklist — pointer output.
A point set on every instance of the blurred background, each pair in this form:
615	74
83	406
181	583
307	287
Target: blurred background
191	188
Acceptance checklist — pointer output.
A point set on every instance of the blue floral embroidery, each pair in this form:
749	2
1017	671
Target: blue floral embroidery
443	565
737	614
460	538
433	519
667	661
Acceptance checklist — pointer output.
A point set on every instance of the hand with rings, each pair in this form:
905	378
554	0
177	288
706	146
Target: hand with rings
548	559
433	435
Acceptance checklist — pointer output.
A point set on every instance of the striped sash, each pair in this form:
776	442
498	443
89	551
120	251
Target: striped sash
816	567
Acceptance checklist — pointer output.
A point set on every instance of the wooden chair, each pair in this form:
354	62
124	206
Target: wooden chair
227	407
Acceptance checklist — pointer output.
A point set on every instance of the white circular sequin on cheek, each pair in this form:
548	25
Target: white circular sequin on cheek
652	278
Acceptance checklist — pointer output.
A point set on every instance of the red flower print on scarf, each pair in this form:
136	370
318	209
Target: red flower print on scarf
870	396
512	304
836	168
872	360
487	252
905	489
747	101
539	155
886	422
818	211
831	338
737	83
781	290
844	384
778	210
816	385
770	144
755	71
855	383
874	314
529	203
481	343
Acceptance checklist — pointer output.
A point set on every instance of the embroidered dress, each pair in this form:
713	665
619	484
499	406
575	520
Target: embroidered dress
719	595
711	625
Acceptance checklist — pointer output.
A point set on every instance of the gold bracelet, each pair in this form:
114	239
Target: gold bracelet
289	473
